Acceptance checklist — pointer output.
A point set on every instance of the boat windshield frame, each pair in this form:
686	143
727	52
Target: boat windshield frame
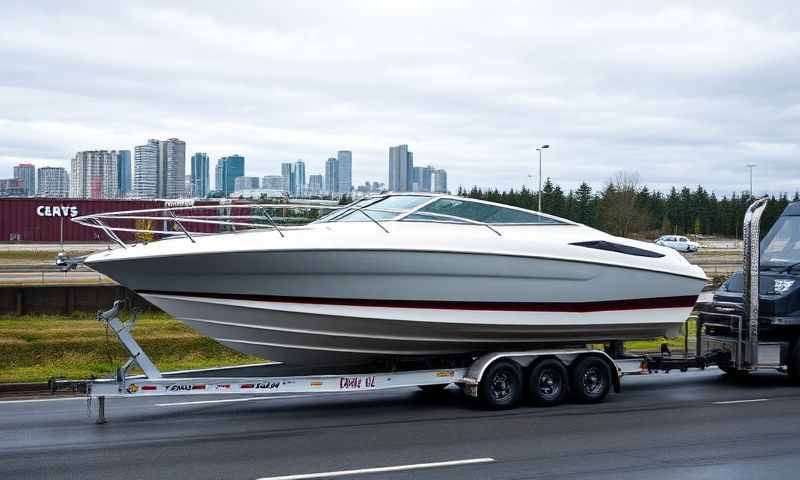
364	205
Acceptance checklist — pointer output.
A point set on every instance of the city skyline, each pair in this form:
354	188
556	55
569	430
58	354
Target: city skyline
665	108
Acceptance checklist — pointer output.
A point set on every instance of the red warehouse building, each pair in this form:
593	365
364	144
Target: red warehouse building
42	219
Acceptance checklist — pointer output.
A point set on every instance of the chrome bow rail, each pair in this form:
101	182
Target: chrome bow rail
198	220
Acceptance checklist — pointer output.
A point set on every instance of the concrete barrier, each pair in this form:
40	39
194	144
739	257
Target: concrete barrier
24	300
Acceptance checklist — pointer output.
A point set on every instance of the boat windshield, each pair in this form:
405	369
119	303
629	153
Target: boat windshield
381	208
466	211
781	246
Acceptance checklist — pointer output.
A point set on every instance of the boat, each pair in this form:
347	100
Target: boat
401	275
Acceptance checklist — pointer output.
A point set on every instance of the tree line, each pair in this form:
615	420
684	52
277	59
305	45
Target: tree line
626	208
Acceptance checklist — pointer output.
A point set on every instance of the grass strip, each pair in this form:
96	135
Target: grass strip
36	347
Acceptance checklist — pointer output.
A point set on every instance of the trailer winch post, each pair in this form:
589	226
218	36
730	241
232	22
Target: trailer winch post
123	332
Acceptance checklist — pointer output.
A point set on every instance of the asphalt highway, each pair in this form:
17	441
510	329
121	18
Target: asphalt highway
691	425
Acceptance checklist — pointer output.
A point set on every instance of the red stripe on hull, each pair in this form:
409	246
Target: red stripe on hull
580	307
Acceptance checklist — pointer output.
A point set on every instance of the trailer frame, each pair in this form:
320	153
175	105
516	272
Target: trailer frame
468	375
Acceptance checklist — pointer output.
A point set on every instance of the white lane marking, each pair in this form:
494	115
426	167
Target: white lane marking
227	400
59	399
397	468
730	402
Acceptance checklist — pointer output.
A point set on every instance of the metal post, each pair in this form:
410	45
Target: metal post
540	179
540	173
750	166
686	341
101	411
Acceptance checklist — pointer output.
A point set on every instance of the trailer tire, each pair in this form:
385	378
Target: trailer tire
793	365
501	387
591	380
548	383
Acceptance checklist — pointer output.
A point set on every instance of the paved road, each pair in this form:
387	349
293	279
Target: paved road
51	278
52	247
666	426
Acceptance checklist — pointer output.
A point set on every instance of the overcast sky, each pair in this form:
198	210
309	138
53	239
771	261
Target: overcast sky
679	93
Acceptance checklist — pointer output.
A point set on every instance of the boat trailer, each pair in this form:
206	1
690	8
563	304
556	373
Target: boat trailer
467	375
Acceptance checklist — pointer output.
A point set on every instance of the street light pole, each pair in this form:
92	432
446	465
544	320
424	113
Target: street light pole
750	166
540	173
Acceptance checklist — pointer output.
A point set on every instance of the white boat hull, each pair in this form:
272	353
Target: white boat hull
308	333
325	301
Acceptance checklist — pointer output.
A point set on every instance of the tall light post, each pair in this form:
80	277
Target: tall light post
750	166
540	173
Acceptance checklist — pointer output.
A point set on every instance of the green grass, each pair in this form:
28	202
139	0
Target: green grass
654	345
35	348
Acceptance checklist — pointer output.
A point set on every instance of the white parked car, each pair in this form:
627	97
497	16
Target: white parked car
678	242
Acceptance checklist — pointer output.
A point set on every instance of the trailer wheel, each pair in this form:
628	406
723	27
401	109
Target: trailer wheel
547	383
793	365
501	385
591	380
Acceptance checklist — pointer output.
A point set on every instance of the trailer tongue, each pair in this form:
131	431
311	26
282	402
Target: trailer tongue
728	334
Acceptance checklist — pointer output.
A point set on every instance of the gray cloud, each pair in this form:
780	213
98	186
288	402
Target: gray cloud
680	93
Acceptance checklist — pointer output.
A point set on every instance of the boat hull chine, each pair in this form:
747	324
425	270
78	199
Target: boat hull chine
311	333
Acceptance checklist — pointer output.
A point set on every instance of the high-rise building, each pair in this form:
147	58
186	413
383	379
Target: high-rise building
274	182
401	168
200	175
331	176
171	168
145	169
287	172
27	173
299	177
11	187
316	184
232	167
52	182
344	162
94	174
245	183
422	179
440	181
219	170
124	172
416	179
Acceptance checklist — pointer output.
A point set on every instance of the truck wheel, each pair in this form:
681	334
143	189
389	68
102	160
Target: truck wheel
501	385
547	384
591	380
793	365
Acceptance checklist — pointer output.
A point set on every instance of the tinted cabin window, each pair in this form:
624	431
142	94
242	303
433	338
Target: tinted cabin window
619	248
382	209
443	210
